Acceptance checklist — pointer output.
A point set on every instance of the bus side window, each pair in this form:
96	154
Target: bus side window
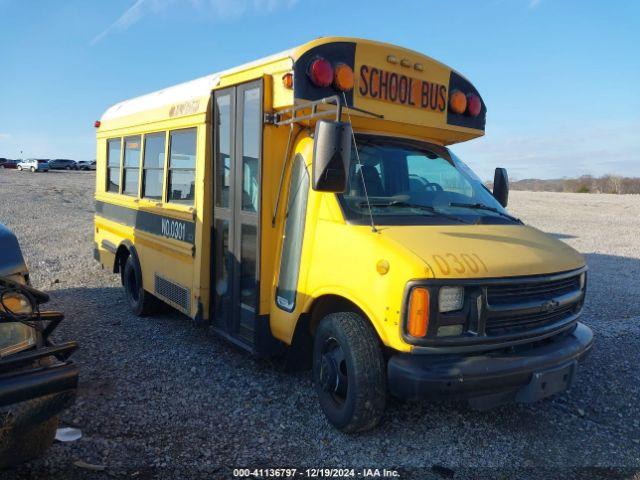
131	166
293	236
153	165
182	166
113	165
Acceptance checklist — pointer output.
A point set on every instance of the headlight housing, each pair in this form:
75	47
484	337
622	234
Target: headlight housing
17	303
450	299
15	336
434	311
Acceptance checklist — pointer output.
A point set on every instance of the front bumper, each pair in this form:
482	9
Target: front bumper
32	395
524	374
21	381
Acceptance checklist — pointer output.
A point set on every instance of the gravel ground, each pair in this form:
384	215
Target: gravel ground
160	398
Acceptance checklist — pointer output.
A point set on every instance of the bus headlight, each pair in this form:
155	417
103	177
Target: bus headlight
450	299
450	330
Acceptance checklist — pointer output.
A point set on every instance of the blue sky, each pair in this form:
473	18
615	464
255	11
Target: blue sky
560	78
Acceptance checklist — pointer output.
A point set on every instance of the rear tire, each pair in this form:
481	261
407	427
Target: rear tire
28	444
33	169
349	372
141	302
19	168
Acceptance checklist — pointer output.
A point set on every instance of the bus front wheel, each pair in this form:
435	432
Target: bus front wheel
349	372
141	302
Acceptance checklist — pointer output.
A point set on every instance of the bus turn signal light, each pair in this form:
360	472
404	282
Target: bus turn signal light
458	102
321	72
343	77
418	315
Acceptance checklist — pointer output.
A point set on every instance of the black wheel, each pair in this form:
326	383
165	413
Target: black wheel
141	302
19	168
26	445
67	168
349	372
33	169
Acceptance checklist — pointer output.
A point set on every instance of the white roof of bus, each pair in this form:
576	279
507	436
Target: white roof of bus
199	87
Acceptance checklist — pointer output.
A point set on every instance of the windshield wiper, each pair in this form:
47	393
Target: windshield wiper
482	206
424	208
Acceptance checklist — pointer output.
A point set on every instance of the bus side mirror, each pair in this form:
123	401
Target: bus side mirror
501	186
331	156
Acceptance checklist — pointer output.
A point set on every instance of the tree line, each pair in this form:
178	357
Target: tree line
584	184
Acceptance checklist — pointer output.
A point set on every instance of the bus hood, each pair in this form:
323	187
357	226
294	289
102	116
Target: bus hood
485	251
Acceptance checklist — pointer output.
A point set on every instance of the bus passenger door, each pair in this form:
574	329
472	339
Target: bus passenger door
236	213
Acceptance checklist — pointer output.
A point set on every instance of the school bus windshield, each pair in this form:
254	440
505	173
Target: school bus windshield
413	183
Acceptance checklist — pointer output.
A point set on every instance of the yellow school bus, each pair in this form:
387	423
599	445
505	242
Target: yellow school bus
306	205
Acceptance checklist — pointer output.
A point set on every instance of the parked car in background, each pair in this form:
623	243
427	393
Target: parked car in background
34	165
87	165
9	164
37	379
63	164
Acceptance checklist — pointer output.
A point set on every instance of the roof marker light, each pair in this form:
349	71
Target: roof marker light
321	72
287	80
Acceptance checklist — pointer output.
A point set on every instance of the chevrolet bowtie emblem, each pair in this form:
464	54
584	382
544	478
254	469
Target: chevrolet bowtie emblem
549	305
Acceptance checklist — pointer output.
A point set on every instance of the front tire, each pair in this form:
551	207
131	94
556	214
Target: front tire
33	169
349	372
19	168
141	302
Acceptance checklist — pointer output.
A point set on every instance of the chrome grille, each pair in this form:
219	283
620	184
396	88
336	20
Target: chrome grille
504	324
524	292
521	306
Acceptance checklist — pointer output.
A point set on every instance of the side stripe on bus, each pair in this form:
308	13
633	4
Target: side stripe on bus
149	222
